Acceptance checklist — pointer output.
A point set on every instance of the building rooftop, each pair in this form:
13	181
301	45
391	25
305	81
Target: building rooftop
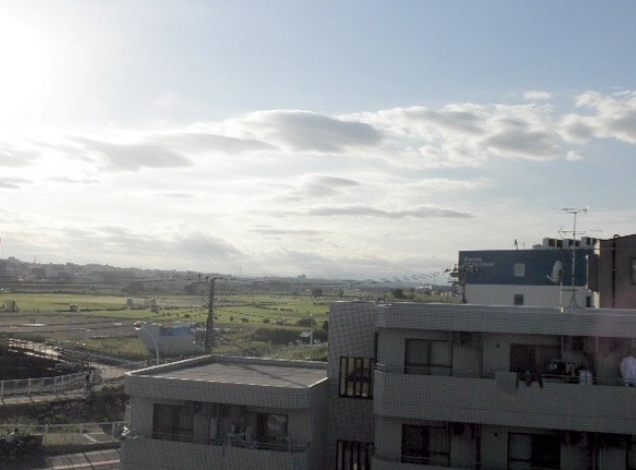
263	373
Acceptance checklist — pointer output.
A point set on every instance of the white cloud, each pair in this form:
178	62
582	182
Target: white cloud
363	210
270	190
613	117
574	155
467	134
303	131
536	95
132	157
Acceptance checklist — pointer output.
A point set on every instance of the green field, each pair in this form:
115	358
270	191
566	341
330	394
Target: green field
249	323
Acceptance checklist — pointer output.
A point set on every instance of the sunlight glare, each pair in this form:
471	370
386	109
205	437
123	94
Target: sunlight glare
23	73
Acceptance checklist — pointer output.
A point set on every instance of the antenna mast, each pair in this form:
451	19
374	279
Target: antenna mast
575	213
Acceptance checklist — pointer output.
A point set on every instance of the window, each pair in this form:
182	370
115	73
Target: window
172	423
426	445
518	299
353	455
271	427
520	269
534	451
356	377
428	357
532	357
630	446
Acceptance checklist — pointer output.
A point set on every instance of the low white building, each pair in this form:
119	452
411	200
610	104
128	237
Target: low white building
172	340
227	413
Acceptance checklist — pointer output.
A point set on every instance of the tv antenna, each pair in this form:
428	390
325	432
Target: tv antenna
575	213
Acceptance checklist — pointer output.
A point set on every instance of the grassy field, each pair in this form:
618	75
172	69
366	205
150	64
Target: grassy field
233	309
249	324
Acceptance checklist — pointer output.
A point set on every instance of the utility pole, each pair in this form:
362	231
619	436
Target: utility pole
461	273
209	324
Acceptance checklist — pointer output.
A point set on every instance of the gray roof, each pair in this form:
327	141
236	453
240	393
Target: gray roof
248	373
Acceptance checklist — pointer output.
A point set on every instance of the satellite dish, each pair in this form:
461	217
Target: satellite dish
557	273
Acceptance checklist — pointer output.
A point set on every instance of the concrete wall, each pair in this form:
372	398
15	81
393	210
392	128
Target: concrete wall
317	458
351	334
616	289
539	296
150	454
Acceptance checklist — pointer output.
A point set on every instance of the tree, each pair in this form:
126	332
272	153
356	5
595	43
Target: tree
134	288
398	293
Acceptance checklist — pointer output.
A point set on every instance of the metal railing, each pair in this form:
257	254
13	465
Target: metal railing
41	385
390	462
612	381
65	435
283	444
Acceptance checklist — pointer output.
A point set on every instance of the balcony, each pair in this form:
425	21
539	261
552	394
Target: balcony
505	401
141	453
381	463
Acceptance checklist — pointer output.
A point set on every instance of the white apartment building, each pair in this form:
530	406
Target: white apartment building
478	387
407	386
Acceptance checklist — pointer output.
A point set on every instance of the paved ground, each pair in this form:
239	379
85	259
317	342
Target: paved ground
105	459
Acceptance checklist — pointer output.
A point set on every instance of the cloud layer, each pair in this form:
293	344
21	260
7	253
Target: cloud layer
294	191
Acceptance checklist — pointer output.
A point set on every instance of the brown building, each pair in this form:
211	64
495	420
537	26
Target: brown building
612	272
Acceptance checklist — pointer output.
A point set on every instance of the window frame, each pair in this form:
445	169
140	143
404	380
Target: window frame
266	423
356	377
425	455
173	414
428	367
537	458
533	357
353	455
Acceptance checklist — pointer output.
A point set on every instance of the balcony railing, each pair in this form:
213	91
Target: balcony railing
612	381
384	463
76	434
280	444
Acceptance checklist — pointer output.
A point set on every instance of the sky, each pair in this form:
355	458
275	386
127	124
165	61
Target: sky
337	139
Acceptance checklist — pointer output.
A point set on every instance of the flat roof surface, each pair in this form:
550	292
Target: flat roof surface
270	375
